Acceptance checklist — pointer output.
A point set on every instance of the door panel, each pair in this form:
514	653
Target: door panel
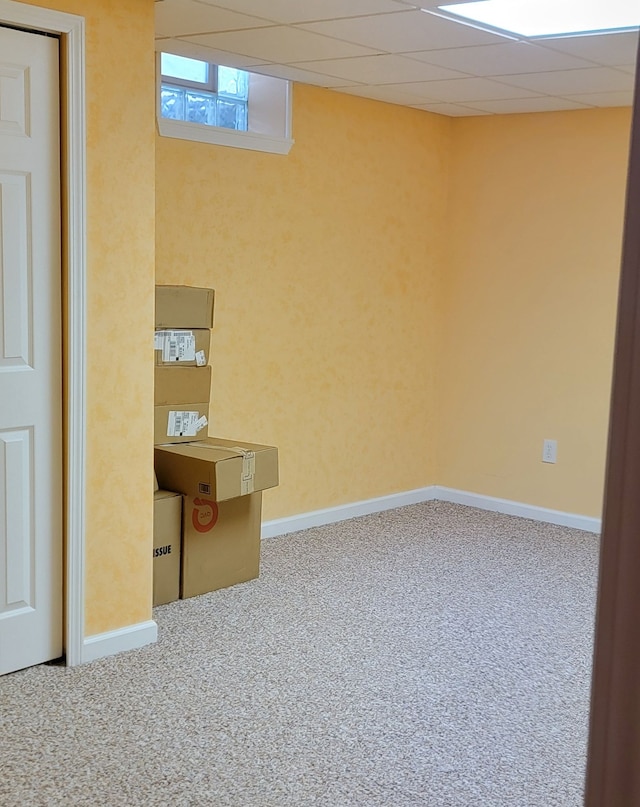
16	538
30	352
15	107
14	279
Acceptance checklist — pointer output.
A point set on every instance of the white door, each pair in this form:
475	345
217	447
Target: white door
30	352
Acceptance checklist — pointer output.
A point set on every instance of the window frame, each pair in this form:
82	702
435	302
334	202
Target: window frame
218	135
211	85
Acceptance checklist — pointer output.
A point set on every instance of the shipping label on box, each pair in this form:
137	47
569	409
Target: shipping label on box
182	348
176	346
179	425
220	543
185	424
218	469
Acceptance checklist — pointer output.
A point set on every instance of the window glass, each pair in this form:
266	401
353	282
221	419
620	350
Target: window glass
232	82
185	69
201	108
222	102
172	103
231	115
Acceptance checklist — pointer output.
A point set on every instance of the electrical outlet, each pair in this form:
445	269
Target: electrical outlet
550	451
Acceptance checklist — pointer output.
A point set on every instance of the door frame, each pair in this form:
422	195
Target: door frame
71	29
612	776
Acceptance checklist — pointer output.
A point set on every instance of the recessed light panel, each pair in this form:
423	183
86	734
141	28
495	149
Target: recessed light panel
550	17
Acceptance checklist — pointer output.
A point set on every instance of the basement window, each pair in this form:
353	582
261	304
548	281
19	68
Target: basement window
222	105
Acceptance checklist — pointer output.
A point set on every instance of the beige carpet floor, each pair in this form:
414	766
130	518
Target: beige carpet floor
435	655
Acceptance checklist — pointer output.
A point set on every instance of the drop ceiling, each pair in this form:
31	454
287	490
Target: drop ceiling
394	51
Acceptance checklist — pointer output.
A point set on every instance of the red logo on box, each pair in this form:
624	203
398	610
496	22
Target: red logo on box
204	515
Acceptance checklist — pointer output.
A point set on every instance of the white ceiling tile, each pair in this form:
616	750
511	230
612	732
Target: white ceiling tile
290	11
432	3
544	103
195	51
571	82
462	90
451	110
604	98
390	96
501	60
381	69
281	44
303	76
178	17
607	49
405	31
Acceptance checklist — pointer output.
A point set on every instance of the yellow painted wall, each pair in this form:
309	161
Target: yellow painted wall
528	304
120	282
325	265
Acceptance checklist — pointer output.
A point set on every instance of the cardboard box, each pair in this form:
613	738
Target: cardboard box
167	526
220	543
185	347
218	469
184	307
181	404
181	387
177	423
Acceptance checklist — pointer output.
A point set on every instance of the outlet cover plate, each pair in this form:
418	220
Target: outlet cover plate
550	451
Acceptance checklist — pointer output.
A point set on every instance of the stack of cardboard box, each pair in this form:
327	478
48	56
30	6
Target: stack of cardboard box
218	483
184	318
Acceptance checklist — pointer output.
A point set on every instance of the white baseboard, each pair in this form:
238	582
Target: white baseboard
116	641
512	508
331	515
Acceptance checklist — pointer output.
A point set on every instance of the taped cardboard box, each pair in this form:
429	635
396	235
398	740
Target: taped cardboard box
216	468
179	424
181	387
182	347
184	307
220	543
167	529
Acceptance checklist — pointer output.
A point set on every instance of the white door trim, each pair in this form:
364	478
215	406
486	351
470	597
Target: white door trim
72	29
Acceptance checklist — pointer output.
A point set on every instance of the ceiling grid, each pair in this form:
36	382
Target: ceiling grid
392	51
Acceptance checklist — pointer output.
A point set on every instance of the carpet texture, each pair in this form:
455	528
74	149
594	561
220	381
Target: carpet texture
433	655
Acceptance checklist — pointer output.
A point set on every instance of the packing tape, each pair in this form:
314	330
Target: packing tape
246	486
247	480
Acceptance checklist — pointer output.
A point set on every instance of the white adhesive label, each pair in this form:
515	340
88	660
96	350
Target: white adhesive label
182	424
158	340
201	424
201	359
179	346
